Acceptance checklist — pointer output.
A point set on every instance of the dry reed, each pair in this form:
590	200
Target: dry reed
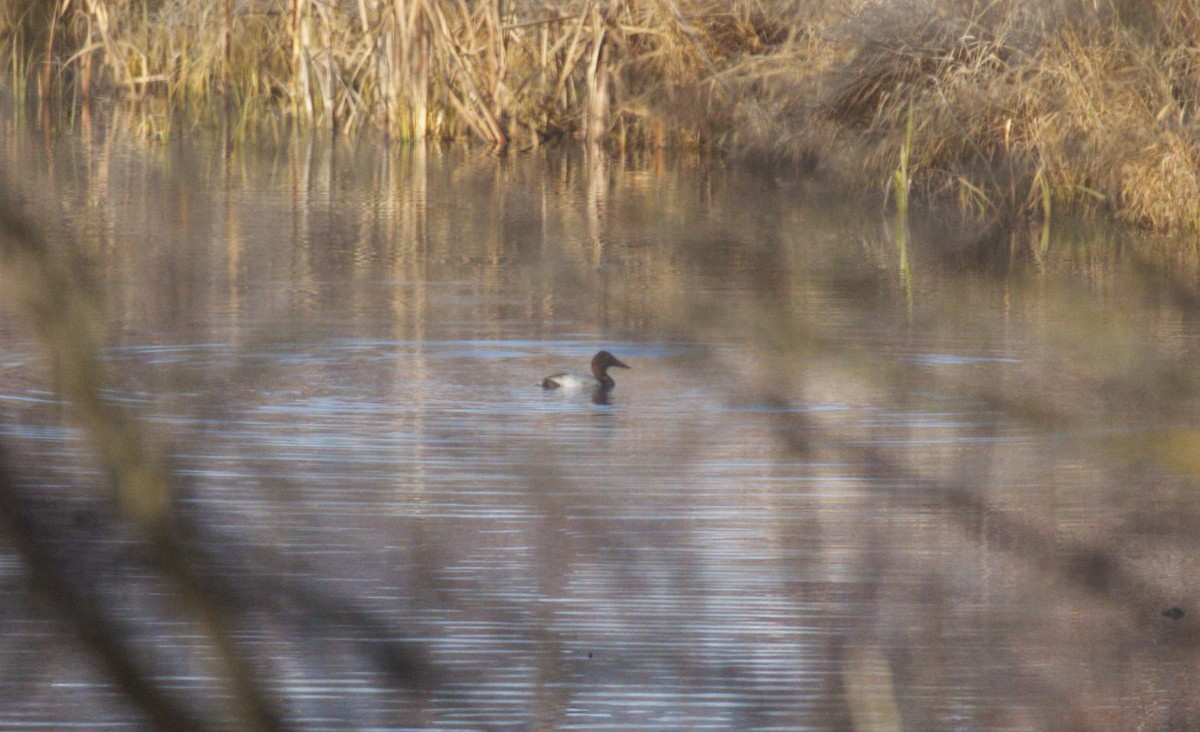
1018	109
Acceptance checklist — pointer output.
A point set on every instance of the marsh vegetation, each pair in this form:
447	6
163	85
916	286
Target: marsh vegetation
1018	108
270	452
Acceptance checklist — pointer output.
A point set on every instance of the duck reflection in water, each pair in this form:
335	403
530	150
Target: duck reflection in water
599	382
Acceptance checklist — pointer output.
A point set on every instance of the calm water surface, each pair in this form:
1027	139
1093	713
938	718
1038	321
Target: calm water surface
839	486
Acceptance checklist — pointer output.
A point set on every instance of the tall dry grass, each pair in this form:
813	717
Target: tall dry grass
1076	103
500	72
1019	108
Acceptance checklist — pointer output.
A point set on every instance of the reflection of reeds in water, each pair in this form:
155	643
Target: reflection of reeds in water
1033	612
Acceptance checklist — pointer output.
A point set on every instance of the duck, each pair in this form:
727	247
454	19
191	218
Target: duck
599	378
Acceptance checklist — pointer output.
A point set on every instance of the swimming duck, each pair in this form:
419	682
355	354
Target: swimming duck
599	379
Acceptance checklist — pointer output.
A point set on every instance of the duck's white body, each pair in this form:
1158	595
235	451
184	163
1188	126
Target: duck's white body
571	382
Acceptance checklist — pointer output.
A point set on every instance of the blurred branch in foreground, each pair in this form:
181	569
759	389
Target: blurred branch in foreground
41	290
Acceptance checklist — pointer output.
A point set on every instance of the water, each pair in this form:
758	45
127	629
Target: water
832	487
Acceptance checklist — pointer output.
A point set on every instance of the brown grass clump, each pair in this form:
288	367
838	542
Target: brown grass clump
1121	129
1017	107
1021	108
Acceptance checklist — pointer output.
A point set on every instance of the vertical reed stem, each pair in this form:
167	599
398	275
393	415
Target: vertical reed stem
417	62
48	65
301	91
596	122
901	184
226	82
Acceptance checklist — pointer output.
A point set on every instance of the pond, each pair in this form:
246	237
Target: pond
851	479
